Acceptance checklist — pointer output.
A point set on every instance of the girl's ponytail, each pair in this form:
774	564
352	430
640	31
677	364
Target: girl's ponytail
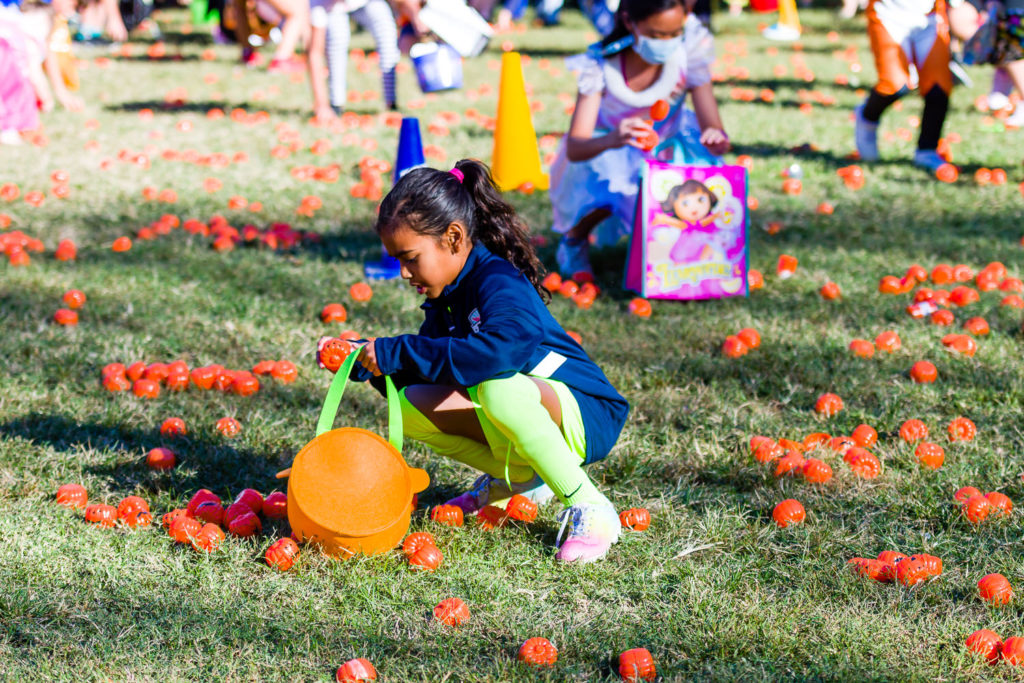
428	201
498	226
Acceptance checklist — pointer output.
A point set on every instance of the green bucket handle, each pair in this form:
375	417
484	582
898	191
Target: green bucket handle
337	389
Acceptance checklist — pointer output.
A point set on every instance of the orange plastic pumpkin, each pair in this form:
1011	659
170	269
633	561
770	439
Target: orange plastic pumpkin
932	564
209	538
356	671
864	436
183	529
173	426
923	372
104	515
449	515
750	337
538	652
817	471
427	558
1012	650
204	377
891	557
964	493
130	505
888	341
977	326
930	455
452	612
913	430
767	451
791	463
361	292
146	388
333	313
161	458
284	371
1000	503
281	554
910	572
995	589
491	517
875	570
733	347
229	427
862	348
866	466
521	508
637	519
72	496
74	298
830	291
961	429
976	509
637	665
168	519
828	405
415	541
640	308
788	512
985	643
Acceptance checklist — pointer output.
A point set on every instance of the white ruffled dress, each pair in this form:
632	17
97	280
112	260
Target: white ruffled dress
611	179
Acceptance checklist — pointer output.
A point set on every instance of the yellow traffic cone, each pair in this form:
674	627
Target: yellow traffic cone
516	158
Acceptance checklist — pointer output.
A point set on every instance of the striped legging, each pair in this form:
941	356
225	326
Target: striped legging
375	17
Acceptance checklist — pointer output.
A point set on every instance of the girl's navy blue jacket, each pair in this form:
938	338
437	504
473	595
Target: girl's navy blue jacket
491	323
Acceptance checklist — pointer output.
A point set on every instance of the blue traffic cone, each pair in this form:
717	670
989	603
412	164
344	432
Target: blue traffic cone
410	147
410	156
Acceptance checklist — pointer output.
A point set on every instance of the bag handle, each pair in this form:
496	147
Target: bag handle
337	389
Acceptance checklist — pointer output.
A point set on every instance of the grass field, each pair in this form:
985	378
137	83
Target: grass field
714	590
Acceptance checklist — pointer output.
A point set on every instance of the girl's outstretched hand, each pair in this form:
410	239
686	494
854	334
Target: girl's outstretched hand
368	358
715	140
629	132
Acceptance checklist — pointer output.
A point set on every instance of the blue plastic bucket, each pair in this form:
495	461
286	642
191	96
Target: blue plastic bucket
438	66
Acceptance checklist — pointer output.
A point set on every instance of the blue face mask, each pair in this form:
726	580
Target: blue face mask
655	51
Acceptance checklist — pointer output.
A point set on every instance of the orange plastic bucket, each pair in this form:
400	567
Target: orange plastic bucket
349	490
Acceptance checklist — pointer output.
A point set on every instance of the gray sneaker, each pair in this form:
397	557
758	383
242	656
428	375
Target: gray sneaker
573	257
866	135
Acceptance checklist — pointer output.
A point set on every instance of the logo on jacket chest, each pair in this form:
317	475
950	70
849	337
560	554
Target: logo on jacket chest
474	319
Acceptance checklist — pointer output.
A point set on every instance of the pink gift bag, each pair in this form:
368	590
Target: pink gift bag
689	236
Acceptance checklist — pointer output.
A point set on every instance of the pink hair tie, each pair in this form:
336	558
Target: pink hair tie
458	174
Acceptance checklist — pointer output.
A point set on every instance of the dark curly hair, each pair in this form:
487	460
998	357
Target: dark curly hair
427	201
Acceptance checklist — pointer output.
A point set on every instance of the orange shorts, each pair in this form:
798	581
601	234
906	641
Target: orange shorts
926	47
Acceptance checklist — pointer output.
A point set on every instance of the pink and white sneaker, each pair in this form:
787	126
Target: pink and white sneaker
595	528
488	490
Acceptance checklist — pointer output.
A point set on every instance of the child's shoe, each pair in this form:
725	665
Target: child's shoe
595	528
1016	119
573	256
488	490
928	159
866	134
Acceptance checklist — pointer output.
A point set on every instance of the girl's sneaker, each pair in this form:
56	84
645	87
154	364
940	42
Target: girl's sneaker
866	136
595	528
928	159
1016	119
488	490
573	256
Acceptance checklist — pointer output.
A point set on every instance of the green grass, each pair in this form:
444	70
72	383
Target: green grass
713	589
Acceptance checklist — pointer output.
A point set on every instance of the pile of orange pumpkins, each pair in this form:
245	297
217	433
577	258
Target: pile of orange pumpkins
145	380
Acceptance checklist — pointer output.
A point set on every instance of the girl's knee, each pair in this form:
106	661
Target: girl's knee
502	400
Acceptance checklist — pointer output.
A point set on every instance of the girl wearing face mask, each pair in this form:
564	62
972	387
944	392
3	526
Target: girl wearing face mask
657	51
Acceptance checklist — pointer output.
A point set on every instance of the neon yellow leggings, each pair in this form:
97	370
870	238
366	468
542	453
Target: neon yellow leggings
522	439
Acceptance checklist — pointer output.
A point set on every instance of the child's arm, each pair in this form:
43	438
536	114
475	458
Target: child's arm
582	145
712	133
504	344
68	100
317	65
670	221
